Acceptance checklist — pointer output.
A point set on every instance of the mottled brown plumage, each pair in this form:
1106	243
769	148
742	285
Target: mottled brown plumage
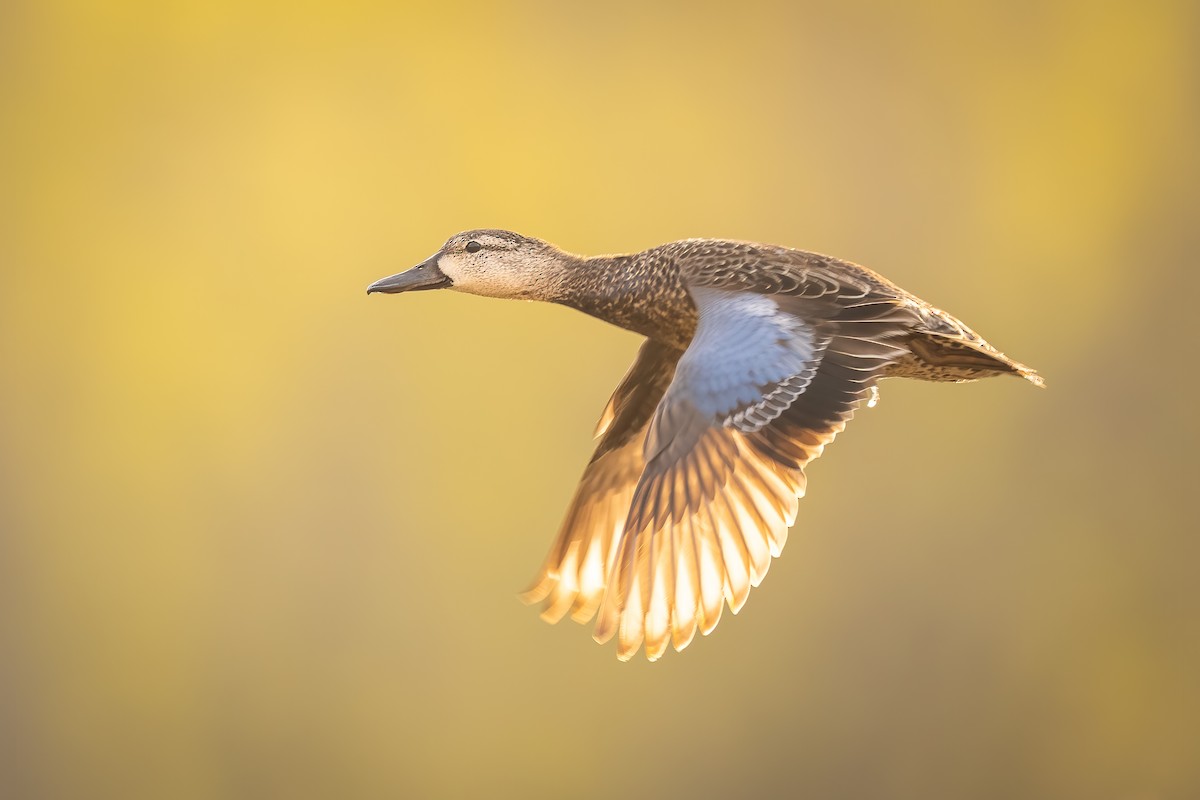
756	356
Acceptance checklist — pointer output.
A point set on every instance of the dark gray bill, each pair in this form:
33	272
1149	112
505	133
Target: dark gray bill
425	275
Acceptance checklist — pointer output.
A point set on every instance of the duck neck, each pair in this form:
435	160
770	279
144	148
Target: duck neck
594	285
634	292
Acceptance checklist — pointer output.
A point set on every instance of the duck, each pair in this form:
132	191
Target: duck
755	357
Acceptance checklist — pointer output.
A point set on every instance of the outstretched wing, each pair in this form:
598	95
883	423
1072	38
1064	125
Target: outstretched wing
577	568
767	382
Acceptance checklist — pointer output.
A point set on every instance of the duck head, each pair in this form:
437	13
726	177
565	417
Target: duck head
492	263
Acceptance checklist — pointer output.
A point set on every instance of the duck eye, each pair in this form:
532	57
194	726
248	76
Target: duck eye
474	247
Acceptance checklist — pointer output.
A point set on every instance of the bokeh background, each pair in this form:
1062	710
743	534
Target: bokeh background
261	535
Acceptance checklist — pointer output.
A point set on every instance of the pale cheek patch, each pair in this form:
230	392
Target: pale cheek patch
452	268
496	274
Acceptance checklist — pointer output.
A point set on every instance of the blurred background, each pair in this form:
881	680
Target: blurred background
261	535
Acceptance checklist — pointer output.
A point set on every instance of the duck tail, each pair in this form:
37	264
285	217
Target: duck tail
957	358
1029	374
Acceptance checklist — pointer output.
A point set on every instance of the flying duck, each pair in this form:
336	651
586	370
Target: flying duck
755	358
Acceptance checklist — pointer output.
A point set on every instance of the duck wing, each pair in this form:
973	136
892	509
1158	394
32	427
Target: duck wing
768	380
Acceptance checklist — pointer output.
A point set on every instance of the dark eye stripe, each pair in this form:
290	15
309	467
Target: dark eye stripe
474	247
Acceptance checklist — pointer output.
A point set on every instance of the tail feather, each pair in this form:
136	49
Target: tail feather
952	358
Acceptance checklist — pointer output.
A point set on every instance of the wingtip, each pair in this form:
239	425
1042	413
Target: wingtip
603	631
1034	378
535	593
583	612
682	637
628	649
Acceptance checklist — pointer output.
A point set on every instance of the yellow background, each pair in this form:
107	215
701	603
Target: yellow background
261	535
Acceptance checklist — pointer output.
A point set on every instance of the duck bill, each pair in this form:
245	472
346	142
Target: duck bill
425	275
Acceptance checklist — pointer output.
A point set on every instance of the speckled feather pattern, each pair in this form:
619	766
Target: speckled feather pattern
647	293
756	357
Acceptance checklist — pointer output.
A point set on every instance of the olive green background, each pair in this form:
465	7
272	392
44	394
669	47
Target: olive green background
261	535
